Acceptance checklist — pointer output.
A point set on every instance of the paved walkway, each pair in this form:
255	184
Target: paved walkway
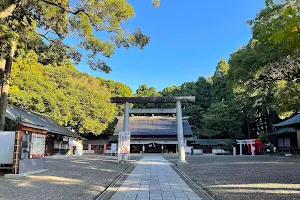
154	179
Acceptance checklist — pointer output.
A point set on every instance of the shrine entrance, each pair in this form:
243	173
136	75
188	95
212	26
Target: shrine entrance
155	147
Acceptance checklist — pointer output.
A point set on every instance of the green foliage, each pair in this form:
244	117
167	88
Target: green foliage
144	91
278	24
117	89
201	89
71	98
222	120
221	90
155	3
44	26
263	137
264	74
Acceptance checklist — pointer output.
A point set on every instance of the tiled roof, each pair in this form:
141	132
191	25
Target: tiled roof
144	125
291	121
209	142
13	113
282	131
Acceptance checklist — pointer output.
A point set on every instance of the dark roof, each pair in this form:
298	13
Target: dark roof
33	126
209	142
291	121
183	99
113	139
13	113
282	131
153	126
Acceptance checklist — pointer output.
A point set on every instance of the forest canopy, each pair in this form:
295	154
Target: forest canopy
258	85
74	99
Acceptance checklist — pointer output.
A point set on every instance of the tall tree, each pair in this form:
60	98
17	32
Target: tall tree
222	120
44	25
73	99
278	24
145	91
117	89
221	89
201	89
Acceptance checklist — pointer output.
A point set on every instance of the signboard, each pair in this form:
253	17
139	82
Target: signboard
37	147
124	146
113	148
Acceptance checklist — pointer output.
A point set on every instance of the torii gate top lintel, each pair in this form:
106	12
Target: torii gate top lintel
169	99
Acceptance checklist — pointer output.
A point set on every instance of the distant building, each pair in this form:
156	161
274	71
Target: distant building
99	146
286	137
59	140
153	134
206	146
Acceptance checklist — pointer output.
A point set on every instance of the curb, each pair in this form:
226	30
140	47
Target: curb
199	191
24	174
105	192
202	193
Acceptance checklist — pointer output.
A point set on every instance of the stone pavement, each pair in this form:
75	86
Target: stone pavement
154	179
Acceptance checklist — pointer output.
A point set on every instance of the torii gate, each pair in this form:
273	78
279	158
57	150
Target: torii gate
246	142
177	110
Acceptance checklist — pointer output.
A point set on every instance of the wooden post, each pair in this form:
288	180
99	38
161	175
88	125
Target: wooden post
17	152
5	83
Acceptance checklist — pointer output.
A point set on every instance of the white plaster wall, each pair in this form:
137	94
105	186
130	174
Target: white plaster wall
198	151
215	151
88	152
188	150
7	140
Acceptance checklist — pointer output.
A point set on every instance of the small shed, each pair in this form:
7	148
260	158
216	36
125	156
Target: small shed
288	133
208	146
58	137
24	150
96	146
284	138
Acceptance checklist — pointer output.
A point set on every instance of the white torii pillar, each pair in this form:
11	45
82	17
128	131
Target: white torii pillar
126	117
247	142
126	126
241	149
180	137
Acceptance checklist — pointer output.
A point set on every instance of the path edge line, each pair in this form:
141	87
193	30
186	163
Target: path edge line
114	183
205	195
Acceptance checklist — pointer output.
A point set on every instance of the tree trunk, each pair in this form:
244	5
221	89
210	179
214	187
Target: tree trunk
5	84
248	128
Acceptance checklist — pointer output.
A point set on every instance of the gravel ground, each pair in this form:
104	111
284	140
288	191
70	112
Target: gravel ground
71	177
245	177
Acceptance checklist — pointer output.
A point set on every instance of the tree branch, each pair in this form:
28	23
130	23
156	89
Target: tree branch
68	10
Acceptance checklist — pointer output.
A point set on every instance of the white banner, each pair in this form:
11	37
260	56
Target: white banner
124	146
113	149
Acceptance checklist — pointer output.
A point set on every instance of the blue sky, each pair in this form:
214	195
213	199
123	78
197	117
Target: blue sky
188	38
